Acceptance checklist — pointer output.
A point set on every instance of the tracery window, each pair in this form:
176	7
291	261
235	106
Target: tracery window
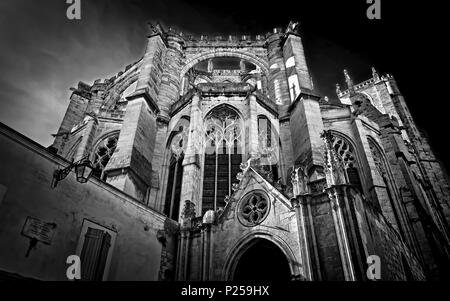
177	146
267	147
102	154
378	159
223	156
346	152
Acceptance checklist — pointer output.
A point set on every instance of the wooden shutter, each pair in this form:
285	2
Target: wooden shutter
94	254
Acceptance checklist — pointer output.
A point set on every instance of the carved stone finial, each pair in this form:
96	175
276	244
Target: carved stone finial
293	27
338	89
375	74
348	79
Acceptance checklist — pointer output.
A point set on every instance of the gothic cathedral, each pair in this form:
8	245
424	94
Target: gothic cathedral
258	175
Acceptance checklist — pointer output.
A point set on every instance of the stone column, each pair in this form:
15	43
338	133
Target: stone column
278	90
182	255
299	203
206	252
293	47
278	85
341	233
190	189
253	126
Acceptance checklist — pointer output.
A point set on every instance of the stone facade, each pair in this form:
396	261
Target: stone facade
225	142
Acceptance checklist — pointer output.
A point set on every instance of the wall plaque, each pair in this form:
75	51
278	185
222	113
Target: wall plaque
39	230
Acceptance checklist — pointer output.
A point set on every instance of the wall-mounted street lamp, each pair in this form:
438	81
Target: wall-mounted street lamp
83	171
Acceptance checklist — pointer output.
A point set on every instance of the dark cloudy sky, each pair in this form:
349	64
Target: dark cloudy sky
43	54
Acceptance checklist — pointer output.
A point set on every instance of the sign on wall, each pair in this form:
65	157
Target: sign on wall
39	230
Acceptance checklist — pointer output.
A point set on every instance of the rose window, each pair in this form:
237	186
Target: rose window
254	209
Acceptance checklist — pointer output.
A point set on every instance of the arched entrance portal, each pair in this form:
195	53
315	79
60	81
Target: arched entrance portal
263	260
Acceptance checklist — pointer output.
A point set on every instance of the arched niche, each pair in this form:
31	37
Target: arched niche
247	56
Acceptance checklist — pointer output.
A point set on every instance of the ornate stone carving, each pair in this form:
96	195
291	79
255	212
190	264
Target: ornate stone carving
188	209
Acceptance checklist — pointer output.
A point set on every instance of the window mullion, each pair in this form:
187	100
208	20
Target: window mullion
174	187
215	178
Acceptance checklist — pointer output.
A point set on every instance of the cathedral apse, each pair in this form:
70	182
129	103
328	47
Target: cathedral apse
215	158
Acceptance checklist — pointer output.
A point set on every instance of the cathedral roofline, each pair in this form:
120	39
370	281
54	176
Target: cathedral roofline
156	29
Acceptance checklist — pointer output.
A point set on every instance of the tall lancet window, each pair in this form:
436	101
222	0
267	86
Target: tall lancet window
267	148
346	153
174	181
223	156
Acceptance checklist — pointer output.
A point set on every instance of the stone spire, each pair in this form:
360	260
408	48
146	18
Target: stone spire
334	170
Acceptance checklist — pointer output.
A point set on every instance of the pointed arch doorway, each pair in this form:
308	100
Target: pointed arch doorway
262	260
